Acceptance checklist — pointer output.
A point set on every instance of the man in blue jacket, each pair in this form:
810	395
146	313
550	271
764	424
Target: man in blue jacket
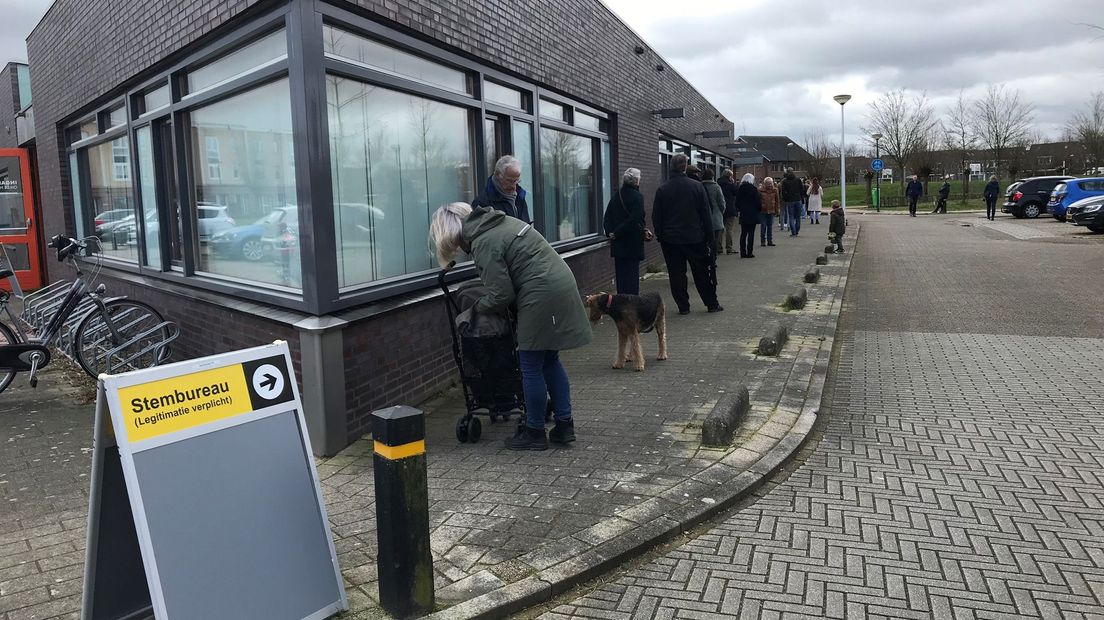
503	192
914	191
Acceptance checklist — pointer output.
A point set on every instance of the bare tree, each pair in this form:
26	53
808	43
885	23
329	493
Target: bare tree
958	135
907	123
1087	127
822	151
1001	122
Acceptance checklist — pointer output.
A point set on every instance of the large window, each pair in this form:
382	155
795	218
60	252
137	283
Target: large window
369	53
267	49
246	224
567	190
395	158
111	198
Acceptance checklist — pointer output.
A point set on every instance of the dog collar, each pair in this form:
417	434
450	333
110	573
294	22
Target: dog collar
609	301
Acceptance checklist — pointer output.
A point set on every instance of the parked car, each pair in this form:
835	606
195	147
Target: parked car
108	219
1088	212
212	218
252	241
1028	197
1069	192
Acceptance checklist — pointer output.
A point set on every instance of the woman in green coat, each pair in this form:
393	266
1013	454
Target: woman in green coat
519	268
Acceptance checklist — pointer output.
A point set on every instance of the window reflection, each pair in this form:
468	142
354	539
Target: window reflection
265	50
246	217
567	176
147	189
395	158
111	197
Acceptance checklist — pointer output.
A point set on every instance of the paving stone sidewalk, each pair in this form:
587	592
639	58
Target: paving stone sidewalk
504	524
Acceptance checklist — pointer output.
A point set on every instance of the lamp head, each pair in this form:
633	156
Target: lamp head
842	99
876	136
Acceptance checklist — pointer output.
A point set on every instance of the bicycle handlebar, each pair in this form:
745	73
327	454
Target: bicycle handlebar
67	245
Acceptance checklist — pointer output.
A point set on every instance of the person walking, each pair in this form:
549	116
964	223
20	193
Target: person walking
503	191
792	194
944	193
816	202
716	204
992	190
838	225
683	225
914	190
769	199
750	205
624	226
731	215
521	270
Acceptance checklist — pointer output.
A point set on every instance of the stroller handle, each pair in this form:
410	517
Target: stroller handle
443	273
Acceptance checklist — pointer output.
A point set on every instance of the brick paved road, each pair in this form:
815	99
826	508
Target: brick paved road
959	471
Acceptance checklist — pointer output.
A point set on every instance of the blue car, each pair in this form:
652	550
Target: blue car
1069	192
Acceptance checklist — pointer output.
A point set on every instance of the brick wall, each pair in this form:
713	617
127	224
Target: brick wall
9	106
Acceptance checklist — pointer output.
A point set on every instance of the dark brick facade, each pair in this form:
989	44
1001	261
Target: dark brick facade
575	47
9	106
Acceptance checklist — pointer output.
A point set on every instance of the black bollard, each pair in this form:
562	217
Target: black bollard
404	562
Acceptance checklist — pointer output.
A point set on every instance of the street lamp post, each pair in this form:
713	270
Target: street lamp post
878	179
842	99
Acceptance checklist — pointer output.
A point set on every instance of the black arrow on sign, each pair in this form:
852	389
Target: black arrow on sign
269	382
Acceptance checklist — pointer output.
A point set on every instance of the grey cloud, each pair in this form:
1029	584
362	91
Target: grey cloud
19	18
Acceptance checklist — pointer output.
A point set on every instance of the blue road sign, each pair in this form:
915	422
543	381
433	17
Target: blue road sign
876	165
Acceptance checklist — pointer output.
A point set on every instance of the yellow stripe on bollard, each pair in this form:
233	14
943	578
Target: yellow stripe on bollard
394	453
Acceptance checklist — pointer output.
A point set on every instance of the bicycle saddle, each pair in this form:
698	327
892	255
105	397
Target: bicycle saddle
6	273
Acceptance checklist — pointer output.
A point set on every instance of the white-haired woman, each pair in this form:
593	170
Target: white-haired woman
624	225
521	270
750	205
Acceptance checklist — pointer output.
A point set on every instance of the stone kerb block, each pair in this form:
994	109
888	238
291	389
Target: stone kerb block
721	424
796	300
828	249
812	275
775	339
822	259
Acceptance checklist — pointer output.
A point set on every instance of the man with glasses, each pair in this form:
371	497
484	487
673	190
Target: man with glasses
502	191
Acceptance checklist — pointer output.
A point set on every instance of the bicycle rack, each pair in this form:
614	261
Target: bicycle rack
108	358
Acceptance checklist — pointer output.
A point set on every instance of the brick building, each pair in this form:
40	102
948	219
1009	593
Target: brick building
340	125
765	156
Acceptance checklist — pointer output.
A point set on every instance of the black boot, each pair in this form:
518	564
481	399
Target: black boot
527	439
563	433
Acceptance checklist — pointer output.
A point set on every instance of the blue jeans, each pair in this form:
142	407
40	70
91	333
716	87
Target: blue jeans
793	210
543	376
766	233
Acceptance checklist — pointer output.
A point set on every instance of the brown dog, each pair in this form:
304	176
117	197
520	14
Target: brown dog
633	314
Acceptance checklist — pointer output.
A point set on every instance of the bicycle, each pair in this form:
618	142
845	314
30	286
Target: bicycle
112	333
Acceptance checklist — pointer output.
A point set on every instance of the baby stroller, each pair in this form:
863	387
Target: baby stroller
485	349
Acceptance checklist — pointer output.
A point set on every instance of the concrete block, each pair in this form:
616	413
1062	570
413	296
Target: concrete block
721	424
812	275
796	300
775	339
822	259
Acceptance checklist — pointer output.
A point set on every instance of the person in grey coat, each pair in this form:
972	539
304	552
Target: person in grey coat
521	270
716	203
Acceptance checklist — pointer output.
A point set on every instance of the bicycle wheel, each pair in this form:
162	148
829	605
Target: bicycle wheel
131	345
7	336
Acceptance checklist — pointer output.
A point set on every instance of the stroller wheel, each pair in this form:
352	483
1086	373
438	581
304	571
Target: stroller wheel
475	429
462	430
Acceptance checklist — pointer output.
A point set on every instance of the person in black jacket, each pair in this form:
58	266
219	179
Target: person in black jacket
914	190
731	215
750	204
792	193
944	193
624	225
992	190
683	224
502	191
837	225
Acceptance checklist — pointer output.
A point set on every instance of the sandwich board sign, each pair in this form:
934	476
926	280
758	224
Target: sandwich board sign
204	499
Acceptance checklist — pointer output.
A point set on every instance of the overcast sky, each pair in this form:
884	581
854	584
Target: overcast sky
773	67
